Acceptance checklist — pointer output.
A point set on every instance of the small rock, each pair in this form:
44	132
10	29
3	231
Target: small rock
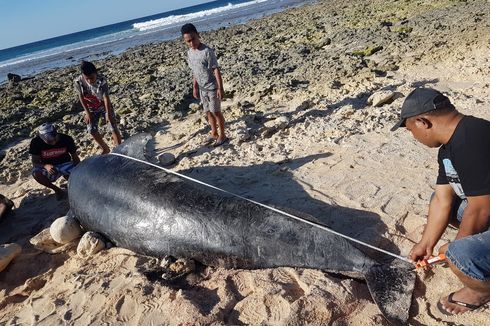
279	123
7	253
13	78
194	106
43	241
90	244
380	98
166	159
346	111
145	96
326	41
243	135
65	229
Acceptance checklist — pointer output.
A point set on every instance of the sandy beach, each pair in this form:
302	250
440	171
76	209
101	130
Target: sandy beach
311	95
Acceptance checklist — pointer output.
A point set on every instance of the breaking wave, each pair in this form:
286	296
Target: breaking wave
174	19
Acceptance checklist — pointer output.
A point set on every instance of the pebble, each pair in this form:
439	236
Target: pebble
65	229
90	244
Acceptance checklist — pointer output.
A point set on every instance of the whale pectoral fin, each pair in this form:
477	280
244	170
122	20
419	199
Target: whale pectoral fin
135	146
391	288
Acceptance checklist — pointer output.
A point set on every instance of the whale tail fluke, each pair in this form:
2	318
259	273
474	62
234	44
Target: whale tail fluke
391	288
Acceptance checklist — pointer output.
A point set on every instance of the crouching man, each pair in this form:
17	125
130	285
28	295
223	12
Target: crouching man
462	193
53	155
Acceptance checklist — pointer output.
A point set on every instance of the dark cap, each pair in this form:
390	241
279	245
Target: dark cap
46	128
47	132
419	101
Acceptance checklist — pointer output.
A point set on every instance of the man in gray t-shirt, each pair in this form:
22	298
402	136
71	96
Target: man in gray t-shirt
202	62
207	82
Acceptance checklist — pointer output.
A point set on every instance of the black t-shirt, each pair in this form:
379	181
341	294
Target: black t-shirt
464	162
53	154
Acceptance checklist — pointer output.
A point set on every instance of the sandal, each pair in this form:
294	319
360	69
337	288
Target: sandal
219	143
209	141
450	299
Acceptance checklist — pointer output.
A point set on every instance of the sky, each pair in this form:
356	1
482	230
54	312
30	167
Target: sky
26	21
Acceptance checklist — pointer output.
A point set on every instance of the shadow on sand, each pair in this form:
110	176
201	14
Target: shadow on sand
35	213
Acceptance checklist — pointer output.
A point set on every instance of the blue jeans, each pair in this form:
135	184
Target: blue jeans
471	255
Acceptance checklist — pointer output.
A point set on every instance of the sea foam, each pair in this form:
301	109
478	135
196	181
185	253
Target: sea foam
174	19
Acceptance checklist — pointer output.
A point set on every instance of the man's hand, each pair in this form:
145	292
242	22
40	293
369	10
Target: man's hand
51	169
195	93
220	93
421	251
88	118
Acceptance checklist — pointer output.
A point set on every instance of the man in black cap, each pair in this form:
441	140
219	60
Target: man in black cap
462	193
53	155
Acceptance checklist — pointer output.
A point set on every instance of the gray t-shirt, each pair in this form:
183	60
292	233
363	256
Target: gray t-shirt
202	63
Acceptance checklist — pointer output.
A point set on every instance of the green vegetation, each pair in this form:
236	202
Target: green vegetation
123	111
403	29
370	50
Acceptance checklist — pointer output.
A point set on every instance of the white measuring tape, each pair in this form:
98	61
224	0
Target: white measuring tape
268	207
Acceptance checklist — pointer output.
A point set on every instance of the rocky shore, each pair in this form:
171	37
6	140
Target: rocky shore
311	93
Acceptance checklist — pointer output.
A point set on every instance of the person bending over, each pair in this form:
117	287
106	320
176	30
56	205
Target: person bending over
462	193
93	93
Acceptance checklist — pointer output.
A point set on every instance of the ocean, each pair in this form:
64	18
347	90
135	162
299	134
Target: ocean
30	59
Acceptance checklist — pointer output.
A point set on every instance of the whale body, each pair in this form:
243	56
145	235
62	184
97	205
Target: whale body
149	211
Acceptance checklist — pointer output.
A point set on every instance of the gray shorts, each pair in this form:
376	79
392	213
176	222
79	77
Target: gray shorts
210	101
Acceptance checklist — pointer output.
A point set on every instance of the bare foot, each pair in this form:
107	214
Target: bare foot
463	300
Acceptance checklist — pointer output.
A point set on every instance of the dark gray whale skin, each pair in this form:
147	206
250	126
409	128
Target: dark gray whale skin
149	211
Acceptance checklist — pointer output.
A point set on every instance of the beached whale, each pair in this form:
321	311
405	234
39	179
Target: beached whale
147	210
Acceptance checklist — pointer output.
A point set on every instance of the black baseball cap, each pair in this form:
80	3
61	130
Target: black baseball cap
419	101
47	132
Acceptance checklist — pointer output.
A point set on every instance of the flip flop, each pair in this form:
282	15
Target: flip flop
209	141
450	299
219	143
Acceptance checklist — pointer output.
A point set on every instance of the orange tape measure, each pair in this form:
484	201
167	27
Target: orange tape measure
425	263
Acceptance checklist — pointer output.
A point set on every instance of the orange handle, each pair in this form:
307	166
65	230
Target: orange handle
431	261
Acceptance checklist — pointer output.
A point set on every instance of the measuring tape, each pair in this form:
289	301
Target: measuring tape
268	207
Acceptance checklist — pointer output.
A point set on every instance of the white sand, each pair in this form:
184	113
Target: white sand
346	168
